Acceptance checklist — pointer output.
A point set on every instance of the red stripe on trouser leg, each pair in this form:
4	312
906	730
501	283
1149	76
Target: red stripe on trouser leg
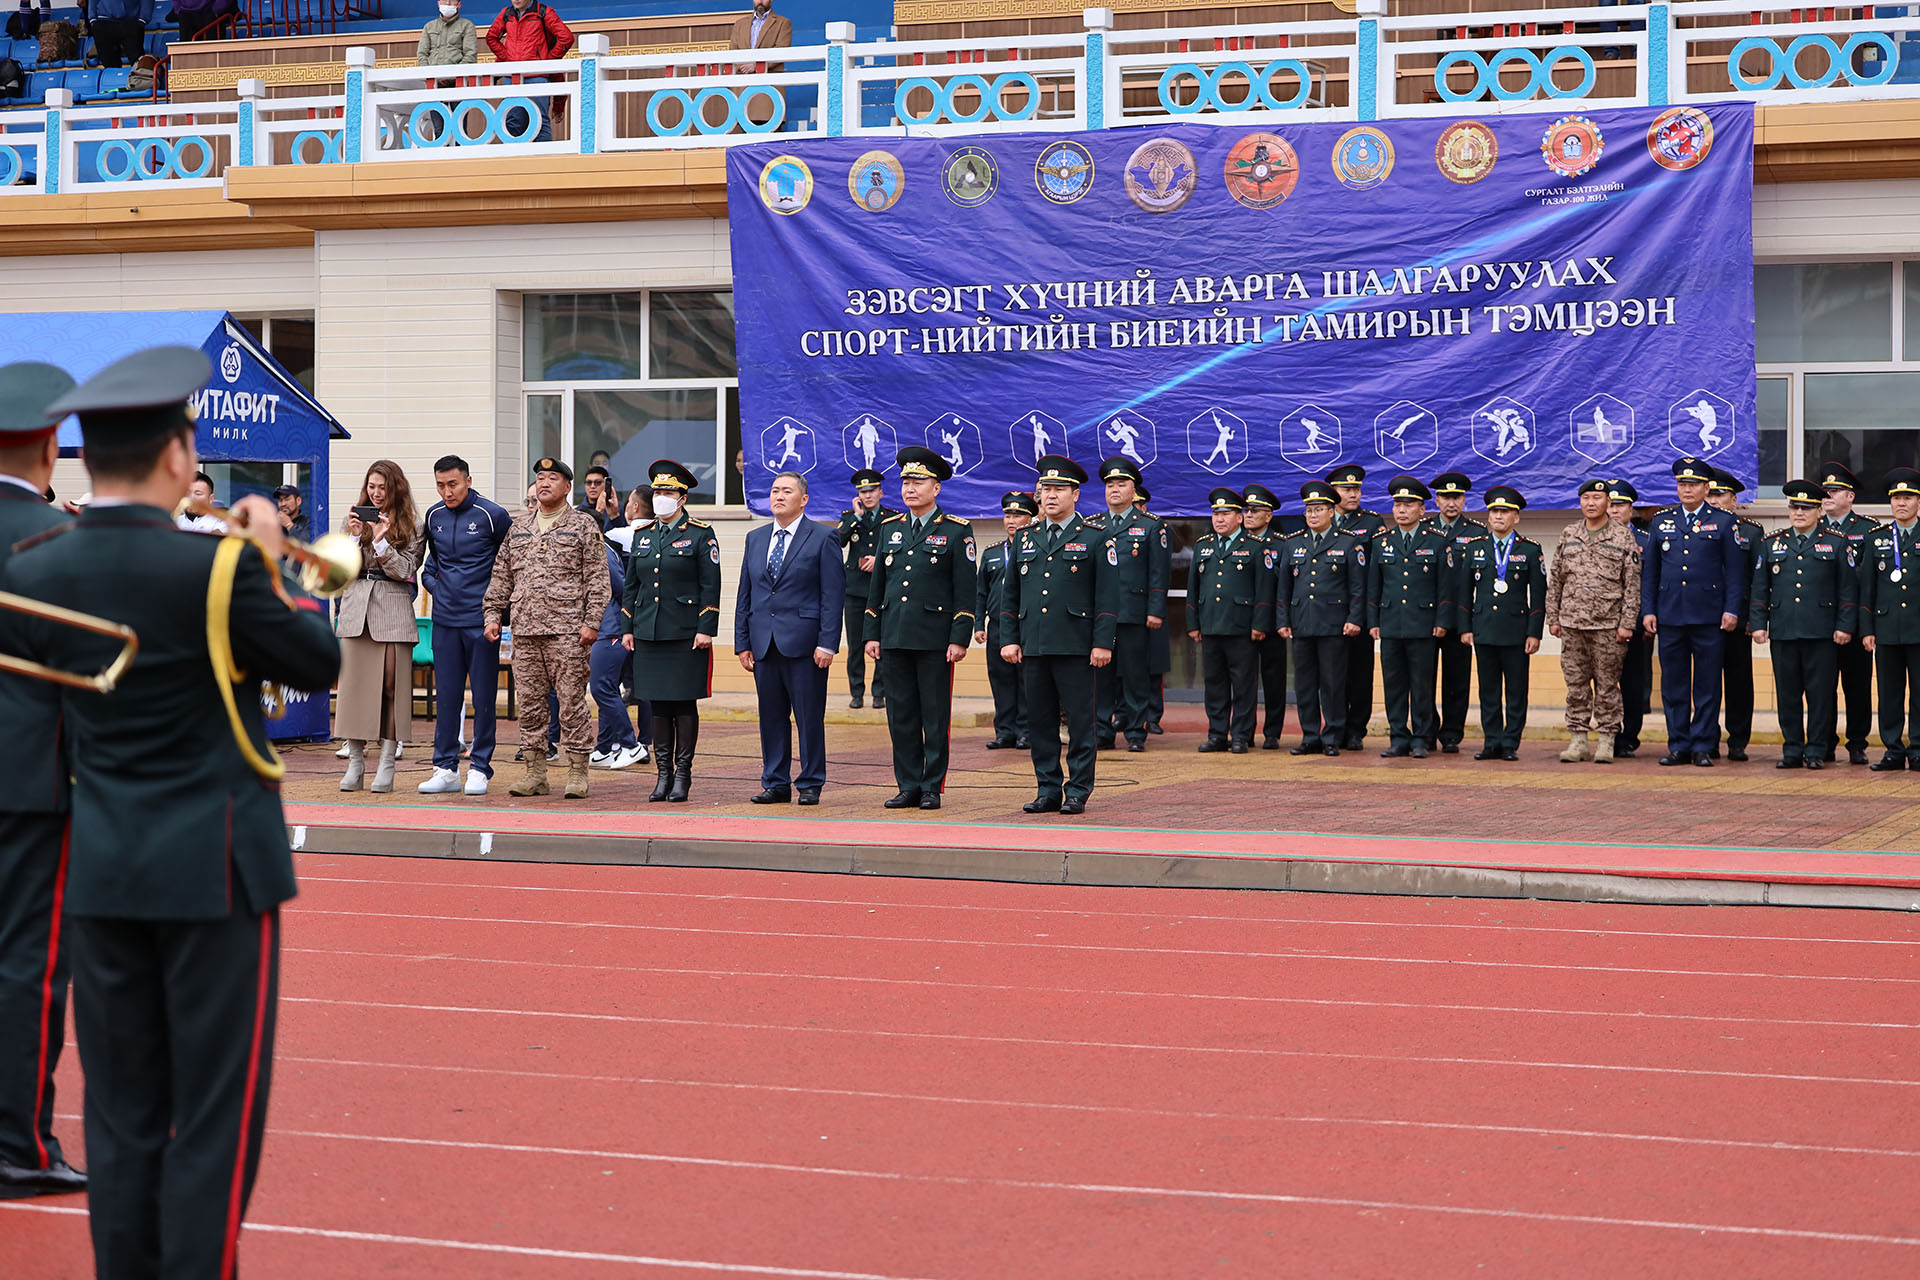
952	671
47	1030
229	1254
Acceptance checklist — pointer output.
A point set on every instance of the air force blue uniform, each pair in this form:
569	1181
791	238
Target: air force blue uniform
1690	577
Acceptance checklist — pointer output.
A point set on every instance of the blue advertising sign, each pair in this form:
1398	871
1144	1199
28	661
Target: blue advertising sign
1529	299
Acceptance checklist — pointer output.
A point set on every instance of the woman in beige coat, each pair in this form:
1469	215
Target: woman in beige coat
377	629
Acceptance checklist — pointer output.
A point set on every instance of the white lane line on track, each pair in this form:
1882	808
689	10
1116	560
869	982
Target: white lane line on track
1180	916
523	1251
1084	1188
1016	1104
1072	946
1086	991
956	1037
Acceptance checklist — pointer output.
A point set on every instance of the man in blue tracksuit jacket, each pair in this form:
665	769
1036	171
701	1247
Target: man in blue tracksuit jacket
464	532
1690	598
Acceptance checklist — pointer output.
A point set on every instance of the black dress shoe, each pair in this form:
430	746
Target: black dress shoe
1704	759
1815	762
1023	744
1737	756
1001	744
1104	744
59	1178
772	795
879	703
1154	727
905	800
1394	753
1269	744
809	796
1789	762
1677	757
930	800
1238	748
1071	806
1329	751
1623	753
1418	752
1043	804
1212	744
1136	746
1486	753
1714	754
1856	755
1890	764
1509	755
856	702
1449	748
1304	749
1354	744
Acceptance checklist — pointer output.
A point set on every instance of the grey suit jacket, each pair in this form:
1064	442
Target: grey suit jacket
382	609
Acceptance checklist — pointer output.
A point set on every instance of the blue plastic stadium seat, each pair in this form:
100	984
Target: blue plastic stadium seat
82	83
26	52
113	79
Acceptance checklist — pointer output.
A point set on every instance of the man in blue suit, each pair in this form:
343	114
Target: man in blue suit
1690	593
786	628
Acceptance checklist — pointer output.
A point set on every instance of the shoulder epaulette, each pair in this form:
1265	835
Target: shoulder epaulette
954	519
45	535
891	519
1779	533
693	523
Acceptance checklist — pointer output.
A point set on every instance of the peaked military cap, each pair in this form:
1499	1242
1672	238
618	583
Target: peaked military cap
555	465
1349	474
1058	468
1622	491
1596	486
1504	497
1258	495
1723	482
1015	500
1804	493
918	463
1318	491
1224	499
1692	469
1835	476
1120	467
137	397
867	478
27	387
1903	480
665	473
1140	493
1407	489
1452	484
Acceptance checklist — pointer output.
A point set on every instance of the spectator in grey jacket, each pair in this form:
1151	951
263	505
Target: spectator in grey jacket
448	40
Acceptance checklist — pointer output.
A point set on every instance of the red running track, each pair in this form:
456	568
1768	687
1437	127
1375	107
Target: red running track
527	1070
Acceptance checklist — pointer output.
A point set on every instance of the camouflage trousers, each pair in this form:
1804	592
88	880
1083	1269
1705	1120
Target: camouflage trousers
553	664
1590	660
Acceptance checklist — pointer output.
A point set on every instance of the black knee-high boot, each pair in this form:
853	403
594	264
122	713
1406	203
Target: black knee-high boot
663	739
686	735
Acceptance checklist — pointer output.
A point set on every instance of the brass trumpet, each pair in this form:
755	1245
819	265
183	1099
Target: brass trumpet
100	683
328	564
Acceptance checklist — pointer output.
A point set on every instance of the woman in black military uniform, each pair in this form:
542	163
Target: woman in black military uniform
672	608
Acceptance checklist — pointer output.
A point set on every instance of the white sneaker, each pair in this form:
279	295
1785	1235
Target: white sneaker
400	751
443	782
341	754
628	756
476	783
601	759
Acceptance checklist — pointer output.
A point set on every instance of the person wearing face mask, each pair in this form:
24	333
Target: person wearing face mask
446	41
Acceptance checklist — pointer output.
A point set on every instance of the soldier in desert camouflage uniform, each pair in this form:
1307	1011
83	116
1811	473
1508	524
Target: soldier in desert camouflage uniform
1593	603
552	571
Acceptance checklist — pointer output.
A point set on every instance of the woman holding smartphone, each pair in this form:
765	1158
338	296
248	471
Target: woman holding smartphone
376	625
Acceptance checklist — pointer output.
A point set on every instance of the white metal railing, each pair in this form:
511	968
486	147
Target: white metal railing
1367	68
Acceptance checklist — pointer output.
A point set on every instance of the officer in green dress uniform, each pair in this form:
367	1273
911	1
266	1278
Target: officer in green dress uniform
1229	610
1856	660
1890	618
1058	625
1500	608
1320	603
919	618
1145	565
672	606
1636	663
1350	517
859	533
1160	640
1803	596
1407	599
1736	667
1017	509
178	847
34	960
1454	660
1258	504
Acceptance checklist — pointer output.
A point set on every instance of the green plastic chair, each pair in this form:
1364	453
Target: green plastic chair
423	657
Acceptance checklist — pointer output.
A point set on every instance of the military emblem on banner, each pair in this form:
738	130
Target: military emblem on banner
786	184
876	181
1160	175
1571	146
1680	138
1362	158
1064	172
970	177
1466	151
1261	170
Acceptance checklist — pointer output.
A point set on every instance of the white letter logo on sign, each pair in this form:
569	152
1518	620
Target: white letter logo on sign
230	363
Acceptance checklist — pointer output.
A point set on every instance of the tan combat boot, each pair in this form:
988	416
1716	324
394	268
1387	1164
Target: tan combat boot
576	775
534	781
1577	750
1603	751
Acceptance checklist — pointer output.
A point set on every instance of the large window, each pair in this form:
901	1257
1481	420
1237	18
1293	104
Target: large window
634	377
1838	347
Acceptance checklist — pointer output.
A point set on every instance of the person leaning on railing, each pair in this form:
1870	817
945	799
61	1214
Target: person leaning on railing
447	41
529	31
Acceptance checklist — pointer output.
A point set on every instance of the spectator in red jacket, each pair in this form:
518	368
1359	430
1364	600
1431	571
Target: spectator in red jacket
529	31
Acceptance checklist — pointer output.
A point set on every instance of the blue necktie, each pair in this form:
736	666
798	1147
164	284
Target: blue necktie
779	555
